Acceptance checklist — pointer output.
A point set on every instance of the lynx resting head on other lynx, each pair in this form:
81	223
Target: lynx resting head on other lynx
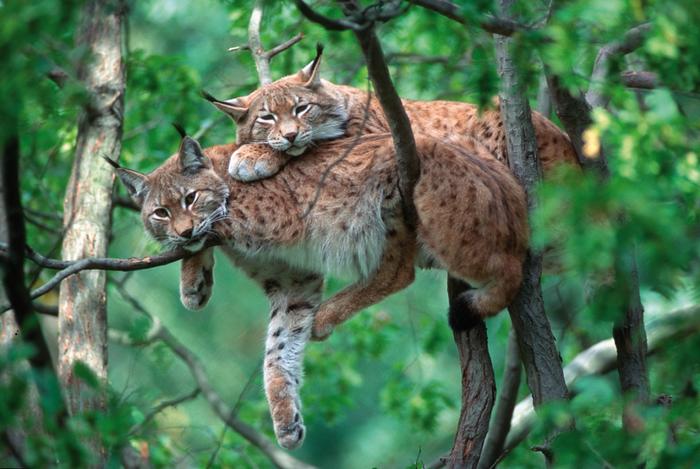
297	111
472	223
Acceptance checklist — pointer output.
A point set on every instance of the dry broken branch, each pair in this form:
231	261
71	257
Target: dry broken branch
260	55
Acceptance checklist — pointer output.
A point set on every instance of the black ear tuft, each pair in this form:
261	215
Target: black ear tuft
111	162
319	49
180	129
208	96
191	156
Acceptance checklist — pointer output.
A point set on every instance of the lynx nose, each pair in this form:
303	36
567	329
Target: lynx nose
290	135
186	234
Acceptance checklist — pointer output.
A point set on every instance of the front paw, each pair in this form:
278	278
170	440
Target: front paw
321	330
291	436
254	162
195	293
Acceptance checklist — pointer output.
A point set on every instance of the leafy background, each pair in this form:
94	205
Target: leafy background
384	391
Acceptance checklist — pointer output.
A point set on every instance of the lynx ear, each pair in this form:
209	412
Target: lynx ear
191	156
136	183
310	75
236	108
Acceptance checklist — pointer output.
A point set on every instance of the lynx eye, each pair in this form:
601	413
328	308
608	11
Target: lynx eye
301	109
266	118
161	213
190	198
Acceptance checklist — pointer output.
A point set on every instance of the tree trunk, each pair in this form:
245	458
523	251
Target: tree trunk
87	207
536	341
478	389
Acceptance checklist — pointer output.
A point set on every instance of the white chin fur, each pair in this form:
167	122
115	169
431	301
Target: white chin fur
194	246
295	151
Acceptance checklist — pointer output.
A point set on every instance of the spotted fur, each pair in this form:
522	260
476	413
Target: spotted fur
335	110
286	234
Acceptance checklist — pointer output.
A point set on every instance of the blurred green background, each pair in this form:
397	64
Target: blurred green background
384	391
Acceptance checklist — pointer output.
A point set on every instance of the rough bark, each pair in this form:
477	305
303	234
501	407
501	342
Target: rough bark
478	389
631	343
500	423
87	206
535	339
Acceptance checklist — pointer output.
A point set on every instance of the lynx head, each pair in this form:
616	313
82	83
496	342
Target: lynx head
290	113
181	200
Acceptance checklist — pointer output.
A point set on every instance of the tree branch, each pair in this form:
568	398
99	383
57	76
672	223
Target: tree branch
478	387
328	23
508	396
260	55
489	23
535	338
401	132
13	261
632	40
602	358
161	407
228	415
69	268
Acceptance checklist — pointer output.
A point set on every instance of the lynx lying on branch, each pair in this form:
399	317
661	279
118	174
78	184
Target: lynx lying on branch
472	222
297	111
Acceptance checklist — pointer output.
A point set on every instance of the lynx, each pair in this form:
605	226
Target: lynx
286	235
300	110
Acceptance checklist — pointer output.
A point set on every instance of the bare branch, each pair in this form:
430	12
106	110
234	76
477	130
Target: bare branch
284	46
642	80
260	55
161	407
262	64
490	23
328	23
632	40
69	268
601	358
478	386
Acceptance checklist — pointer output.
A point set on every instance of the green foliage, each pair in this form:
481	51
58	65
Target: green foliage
384	390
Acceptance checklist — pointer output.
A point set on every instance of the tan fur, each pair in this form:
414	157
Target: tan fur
285	233
336	107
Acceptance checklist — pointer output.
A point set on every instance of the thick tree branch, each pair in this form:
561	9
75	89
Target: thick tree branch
602	358
508	396
478	388
13	262
401	132
535	338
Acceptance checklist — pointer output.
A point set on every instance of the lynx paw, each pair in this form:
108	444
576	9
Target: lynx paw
252	163
322	328
292	435
195	290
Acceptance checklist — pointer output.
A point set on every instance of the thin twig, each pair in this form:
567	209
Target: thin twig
161	407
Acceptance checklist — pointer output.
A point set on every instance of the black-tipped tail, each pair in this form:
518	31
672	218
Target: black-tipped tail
462	314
